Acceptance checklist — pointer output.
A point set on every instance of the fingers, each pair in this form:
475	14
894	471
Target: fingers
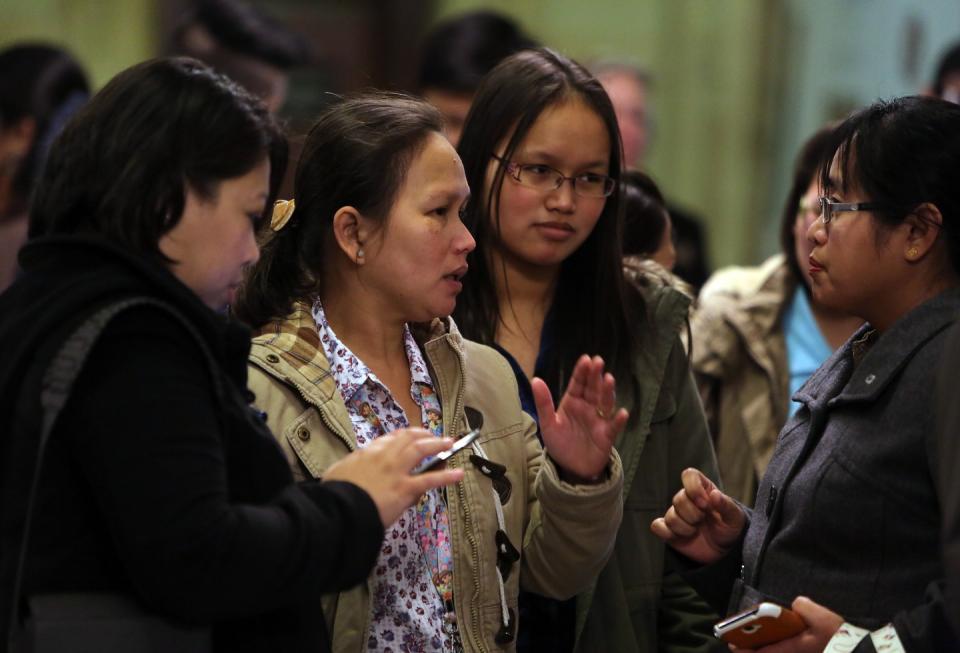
579	379
423	483
697	487
542	397
729	510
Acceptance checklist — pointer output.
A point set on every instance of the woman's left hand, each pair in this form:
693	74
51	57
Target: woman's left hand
580	432
822	625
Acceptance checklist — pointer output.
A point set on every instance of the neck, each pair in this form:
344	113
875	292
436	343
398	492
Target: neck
361	321
835	326
520	284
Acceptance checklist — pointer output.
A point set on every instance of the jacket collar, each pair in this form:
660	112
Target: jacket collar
891	352
290	350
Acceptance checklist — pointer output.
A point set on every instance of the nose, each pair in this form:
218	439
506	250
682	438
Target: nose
562	198
464	242
251	248
817	232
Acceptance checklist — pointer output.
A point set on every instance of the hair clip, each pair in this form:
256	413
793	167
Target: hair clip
282	210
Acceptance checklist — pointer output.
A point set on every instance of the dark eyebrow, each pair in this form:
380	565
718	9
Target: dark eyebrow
551	160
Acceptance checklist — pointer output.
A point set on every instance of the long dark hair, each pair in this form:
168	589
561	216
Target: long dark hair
594	309
902	154
357	154
122	166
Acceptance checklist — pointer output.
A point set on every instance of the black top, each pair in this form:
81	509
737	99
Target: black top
153	483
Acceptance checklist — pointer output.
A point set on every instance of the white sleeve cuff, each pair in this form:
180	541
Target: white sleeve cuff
848	636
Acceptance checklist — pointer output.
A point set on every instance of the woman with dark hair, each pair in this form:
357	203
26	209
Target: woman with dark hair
847	525
547	284
758	334
150	476
646	223
350	303
40	88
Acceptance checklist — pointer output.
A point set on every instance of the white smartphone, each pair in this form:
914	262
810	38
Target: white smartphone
435	461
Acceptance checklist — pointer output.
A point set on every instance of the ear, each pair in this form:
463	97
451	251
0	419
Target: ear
350	231
922	228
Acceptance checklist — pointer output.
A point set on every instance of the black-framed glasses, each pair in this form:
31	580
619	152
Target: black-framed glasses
828	208
546	179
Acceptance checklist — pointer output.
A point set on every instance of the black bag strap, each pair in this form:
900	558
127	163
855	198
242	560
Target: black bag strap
56	386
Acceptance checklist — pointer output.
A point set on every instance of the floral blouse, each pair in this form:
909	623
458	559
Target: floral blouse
411	585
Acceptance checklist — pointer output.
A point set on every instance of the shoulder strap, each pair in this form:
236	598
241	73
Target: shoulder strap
56	386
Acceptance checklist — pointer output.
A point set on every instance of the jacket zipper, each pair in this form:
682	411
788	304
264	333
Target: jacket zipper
474	634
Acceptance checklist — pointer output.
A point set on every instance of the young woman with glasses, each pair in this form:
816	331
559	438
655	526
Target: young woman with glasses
350	301
547	285
847	522
759	333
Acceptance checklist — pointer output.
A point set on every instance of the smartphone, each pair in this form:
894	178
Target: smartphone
761	625
435	461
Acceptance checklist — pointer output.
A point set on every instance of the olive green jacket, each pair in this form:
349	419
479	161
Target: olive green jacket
639	604
565	532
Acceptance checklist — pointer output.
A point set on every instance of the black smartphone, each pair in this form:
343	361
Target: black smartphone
435	461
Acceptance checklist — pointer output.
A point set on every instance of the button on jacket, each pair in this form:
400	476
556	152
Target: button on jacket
850	512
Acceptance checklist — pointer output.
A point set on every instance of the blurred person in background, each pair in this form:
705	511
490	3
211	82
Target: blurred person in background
159	483
758	334
547	284
41	86
351	303
647	232
628	87
244	44
946	80
847	526
457	53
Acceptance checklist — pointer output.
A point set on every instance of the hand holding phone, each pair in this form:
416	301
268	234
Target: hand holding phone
763	624
435	461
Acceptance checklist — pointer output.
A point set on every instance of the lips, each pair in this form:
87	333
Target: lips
814	265
457	274
556	231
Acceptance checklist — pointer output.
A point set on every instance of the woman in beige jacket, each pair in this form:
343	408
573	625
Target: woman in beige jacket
349	302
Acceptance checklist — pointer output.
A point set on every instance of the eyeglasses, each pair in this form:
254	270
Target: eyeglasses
545	178
828	208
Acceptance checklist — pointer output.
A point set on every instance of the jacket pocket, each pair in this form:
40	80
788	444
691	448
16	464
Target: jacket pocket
846	535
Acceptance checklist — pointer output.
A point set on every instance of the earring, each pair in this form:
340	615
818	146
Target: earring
360	255
912	253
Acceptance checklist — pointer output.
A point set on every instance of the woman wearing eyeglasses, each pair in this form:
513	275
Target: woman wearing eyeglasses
547	284
759	333
846	526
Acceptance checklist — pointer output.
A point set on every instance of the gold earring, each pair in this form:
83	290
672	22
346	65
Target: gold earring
913	252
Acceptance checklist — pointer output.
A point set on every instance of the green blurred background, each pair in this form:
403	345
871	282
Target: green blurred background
738	84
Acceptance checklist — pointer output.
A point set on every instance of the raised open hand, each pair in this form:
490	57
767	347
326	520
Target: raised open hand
580	432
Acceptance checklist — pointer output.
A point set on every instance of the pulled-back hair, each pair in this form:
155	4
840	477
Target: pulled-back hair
594	308
357	154
901	154
122	166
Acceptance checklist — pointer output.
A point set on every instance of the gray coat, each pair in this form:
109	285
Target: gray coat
848	511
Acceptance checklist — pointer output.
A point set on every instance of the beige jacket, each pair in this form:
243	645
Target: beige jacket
739	359
567	532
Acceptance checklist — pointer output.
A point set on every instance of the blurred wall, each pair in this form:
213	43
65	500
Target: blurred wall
106	36
740	84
